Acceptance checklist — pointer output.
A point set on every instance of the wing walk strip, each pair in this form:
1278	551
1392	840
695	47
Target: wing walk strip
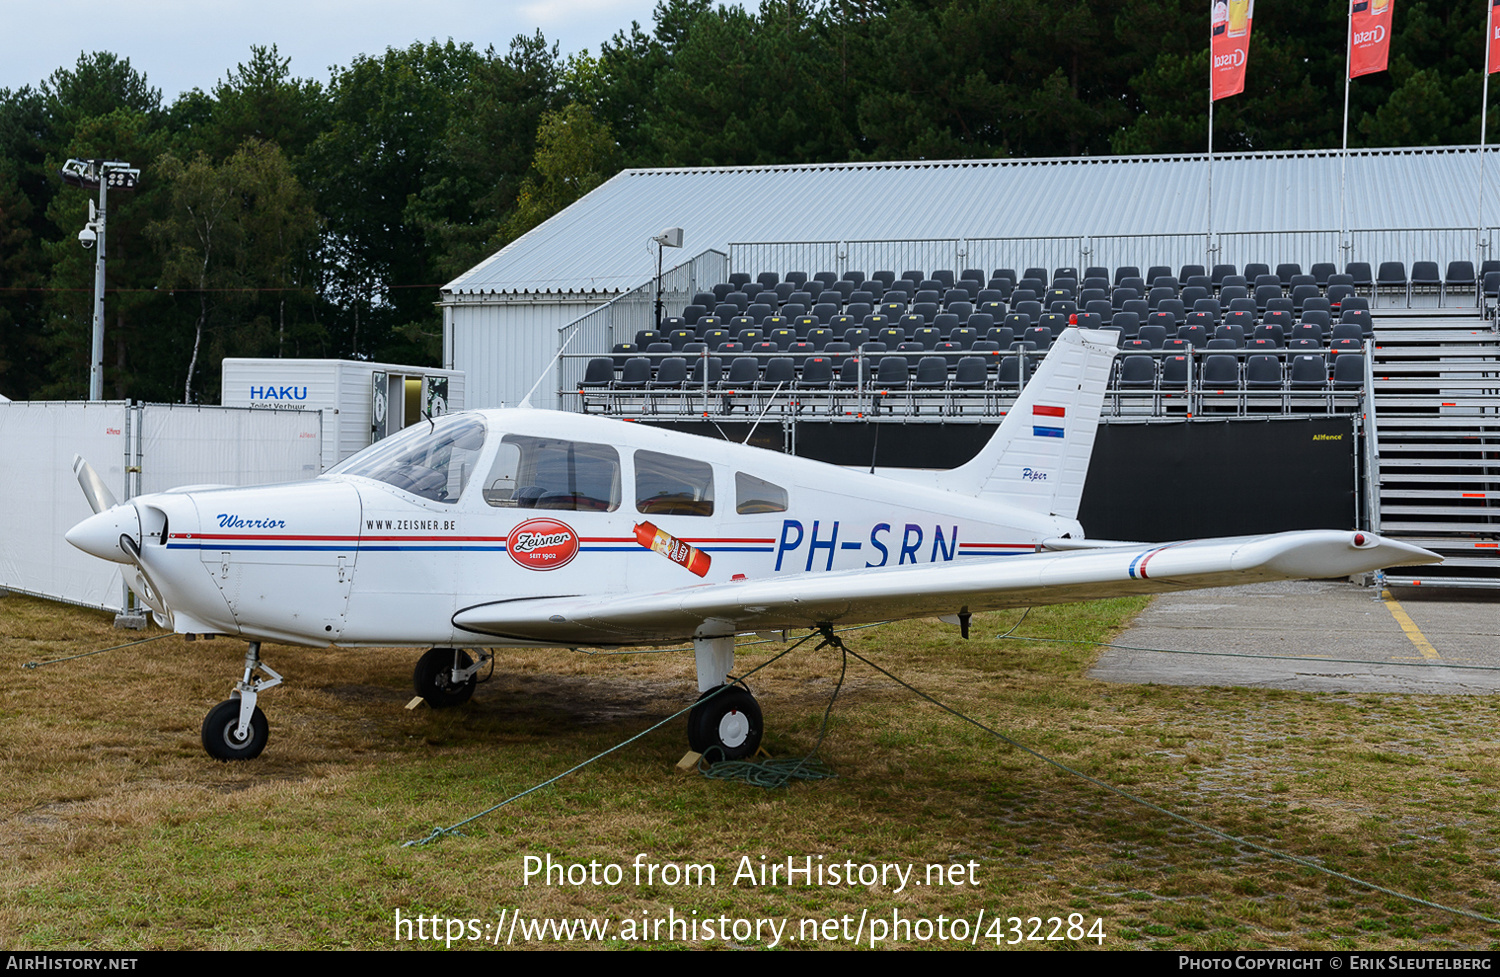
995	549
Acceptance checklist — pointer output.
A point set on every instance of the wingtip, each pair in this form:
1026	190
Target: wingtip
1408	554
1320	555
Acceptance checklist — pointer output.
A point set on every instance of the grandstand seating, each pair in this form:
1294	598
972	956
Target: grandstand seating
955	342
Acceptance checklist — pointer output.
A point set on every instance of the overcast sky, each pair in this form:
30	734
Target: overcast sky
186	44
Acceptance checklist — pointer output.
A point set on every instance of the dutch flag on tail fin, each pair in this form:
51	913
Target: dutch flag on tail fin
1038	459
1044	429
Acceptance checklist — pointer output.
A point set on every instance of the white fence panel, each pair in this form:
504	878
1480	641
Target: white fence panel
227	446
40	499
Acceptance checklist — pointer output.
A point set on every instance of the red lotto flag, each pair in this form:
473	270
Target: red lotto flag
1230	45
1370	36
1494	36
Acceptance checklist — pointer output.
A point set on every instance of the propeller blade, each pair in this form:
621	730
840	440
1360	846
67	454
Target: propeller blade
140	580
94	489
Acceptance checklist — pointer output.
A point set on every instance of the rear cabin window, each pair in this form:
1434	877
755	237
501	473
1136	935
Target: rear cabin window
548	473
666	485
754	495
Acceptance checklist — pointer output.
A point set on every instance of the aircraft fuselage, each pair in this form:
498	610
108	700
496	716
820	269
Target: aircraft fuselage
546	504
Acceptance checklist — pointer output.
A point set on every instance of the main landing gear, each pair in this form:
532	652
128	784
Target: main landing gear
726	723
236	729
446	676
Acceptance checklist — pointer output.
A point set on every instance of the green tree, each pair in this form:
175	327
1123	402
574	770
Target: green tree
485	154
575	153
236	239
749	89
100	83
261	100
383	146
24	193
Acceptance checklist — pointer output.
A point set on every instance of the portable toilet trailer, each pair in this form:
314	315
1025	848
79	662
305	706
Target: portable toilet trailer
362	402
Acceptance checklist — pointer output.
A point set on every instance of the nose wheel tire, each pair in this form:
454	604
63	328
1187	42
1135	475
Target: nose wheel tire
219	732
727	726
433	678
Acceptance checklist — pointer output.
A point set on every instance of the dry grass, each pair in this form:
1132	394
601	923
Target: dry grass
120	833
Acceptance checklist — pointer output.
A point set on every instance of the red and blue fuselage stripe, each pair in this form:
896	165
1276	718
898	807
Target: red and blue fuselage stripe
419	544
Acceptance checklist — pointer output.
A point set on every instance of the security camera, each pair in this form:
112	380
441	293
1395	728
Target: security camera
87	237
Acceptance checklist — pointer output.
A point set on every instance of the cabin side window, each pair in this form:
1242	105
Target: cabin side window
753	495
666	485
549	473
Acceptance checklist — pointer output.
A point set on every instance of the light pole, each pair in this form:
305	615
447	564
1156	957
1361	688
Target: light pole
89	174
669	238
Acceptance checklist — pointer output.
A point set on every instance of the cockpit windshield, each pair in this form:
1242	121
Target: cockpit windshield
431	459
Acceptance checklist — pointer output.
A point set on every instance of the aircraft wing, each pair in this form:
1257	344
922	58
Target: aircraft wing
857	596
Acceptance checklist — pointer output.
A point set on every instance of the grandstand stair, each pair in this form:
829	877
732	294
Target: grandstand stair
1435	461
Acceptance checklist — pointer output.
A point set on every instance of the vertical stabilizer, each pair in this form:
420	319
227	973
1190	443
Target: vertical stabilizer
1038	459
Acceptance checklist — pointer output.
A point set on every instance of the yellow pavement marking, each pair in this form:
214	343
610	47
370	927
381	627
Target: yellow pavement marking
1410	627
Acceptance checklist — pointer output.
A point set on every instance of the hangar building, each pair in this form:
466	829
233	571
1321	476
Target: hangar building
502	319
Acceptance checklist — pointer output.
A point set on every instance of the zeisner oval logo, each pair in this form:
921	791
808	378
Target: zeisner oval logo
542	544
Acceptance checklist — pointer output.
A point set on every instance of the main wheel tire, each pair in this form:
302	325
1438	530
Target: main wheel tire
433	678
727	726
219	728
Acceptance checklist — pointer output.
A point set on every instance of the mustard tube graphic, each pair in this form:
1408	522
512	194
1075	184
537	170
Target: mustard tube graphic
672	548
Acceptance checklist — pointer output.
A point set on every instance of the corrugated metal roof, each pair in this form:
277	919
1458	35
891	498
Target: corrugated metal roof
600	243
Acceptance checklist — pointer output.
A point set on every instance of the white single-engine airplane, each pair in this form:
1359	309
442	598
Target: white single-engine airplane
540	528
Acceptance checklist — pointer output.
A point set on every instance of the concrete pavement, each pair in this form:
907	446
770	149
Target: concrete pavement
1347	638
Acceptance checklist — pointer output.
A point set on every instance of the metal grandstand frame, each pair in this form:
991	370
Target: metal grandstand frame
1425	470
596	331
869	400
1306	247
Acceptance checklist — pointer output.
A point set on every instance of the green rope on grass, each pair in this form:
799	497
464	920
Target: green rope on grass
453	829
771	773
101	651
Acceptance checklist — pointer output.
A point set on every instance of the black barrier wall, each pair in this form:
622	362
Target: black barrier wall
1147	482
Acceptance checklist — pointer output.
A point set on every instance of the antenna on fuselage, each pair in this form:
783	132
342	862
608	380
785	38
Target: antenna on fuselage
526	400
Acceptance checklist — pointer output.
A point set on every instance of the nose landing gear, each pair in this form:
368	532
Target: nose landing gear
236	729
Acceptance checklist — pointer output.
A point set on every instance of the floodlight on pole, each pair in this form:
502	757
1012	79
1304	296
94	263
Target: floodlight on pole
104	175
669	238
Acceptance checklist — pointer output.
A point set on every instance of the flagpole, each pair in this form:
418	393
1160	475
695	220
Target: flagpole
1344	158
1210	240
1483	113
